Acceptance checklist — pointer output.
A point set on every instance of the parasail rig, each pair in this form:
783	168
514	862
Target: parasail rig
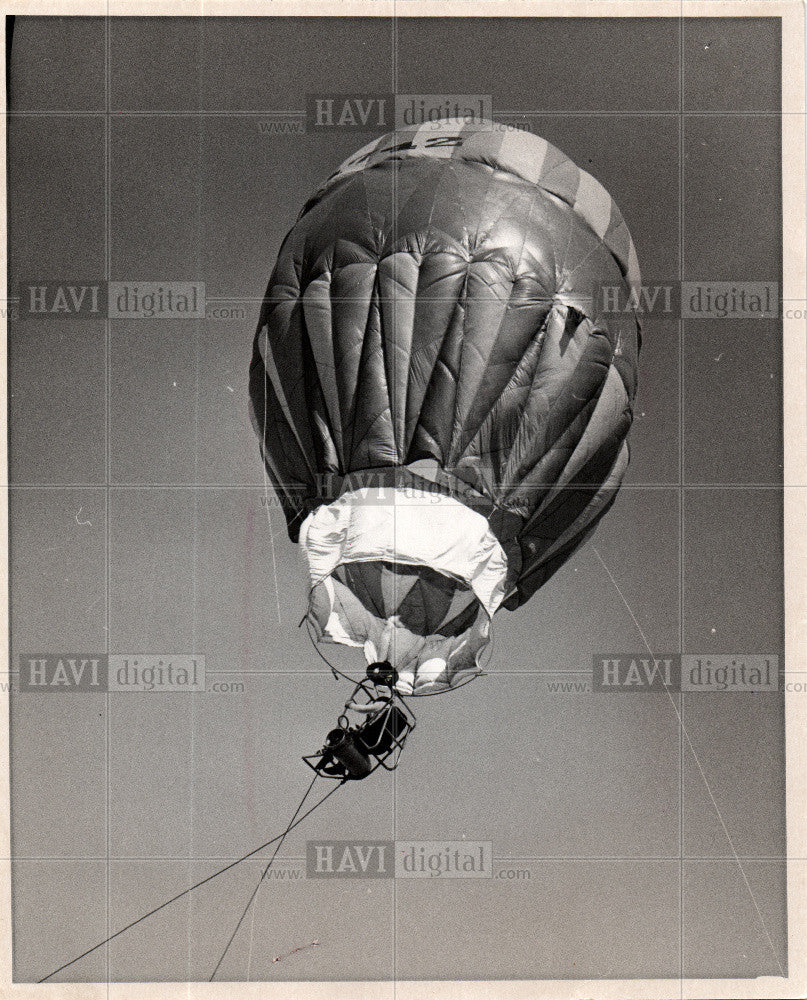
442	400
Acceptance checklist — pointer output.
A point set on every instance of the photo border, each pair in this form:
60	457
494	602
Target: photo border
794	279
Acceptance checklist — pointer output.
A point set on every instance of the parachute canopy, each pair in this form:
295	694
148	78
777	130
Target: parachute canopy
442	405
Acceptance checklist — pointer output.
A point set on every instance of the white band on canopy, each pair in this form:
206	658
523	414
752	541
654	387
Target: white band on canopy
410	527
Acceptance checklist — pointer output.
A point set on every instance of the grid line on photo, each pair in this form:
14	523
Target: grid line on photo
195	546
395	90
107	478
253	487
625	113
705	858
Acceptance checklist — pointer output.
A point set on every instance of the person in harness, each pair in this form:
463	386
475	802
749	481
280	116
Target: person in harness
349	751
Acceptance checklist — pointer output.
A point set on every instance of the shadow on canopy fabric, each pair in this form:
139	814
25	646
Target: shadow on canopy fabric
441	399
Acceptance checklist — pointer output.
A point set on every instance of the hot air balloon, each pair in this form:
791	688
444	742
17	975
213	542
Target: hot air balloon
442	407
441	401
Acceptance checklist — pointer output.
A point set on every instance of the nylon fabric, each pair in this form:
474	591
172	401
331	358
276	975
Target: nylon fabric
435	306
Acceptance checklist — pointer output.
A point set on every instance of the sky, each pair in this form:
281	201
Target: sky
140	524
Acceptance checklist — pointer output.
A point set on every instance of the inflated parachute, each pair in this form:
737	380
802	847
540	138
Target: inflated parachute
441	404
